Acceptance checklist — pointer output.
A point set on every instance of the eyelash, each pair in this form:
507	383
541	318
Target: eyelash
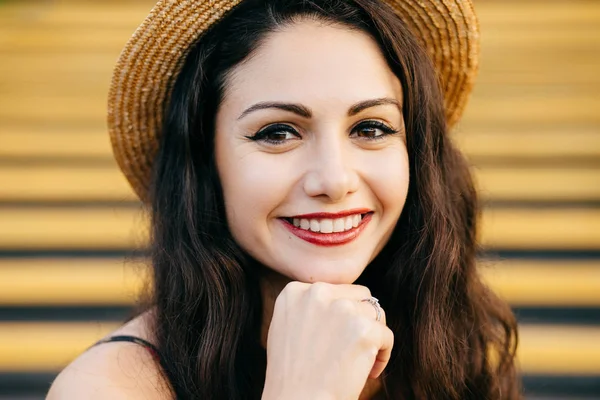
262	135
277	128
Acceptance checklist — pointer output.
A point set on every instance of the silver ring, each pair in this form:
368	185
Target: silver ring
375	303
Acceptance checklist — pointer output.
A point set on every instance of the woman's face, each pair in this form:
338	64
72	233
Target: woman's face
311	152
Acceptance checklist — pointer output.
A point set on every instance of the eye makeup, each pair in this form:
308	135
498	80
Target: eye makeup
277	134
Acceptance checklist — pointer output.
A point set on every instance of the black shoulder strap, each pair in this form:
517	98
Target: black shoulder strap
144	343
131	339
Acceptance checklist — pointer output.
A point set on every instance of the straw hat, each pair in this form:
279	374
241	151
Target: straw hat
151	60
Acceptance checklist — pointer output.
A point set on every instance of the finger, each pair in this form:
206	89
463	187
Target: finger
385	352
370	310
339	291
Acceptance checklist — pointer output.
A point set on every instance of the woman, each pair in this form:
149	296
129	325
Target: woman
294	155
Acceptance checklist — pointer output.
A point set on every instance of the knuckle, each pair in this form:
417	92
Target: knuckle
280	302
289	294
293	287
388	337
319	291
390	334
363	291
364	330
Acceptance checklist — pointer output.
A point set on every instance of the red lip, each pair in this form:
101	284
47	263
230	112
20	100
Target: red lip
328	239
341	214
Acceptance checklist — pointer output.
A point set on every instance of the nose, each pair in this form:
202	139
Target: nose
331	173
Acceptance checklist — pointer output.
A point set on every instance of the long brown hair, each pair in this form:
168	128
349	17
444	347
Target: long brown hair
453	338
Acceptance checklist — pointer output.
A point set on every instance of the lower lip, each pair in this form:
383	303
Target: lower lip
329	239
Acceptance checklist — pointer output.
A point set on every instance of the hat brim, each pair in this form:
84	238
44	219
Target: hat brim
152	58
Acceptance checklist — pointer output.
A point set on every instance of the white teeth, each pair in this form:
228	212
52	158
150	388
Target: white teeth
314	225
328	225
349	222
339	225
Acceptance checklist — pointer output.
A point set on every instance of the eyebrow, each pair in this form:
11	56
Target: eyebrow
306	112
363	105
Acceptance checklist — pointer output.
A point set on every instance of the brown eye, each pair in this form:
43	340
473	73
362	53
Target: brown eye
370	132
275	134
373	130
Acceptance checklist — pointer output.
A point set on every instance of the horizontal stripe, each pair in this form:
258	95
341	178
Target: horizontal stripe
48	312
478	143
29	346
107	183
67	313
123	228
109	14
113	16
37	347
541	229
557	387
538	257
579	69
33	386
541	184
116	228
116	281
35	36
532	143
544	282
72	228
55	108
557	315
69	281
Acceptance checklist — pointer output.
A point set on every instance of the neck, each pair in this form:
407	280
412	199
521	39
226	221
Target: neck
271	285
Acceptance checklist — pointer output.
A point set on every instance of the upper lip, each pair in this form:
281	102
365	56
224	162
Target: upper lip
327	215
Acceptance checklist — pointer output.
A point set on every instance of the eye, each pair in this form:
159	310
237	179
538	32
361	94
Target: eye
275	134
373	130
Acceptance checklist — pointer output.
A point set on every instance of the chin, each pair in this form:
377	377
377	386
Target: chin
330	271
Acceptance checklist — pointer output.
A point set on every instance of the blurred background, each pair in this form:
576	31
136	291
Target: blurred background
70	225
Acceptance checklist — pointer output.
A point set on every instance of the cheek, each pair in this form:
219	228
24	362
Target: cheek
253	186
388	177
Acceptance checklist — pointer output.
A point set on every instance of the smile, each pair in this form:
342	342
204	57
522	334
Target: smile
328	225
328	231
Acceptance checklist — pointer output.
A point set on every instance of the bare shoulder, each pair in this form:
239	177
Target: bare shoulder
117	370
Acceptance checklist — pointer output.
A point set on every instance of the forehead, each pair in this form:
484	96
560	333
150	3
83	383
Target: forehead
312	60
